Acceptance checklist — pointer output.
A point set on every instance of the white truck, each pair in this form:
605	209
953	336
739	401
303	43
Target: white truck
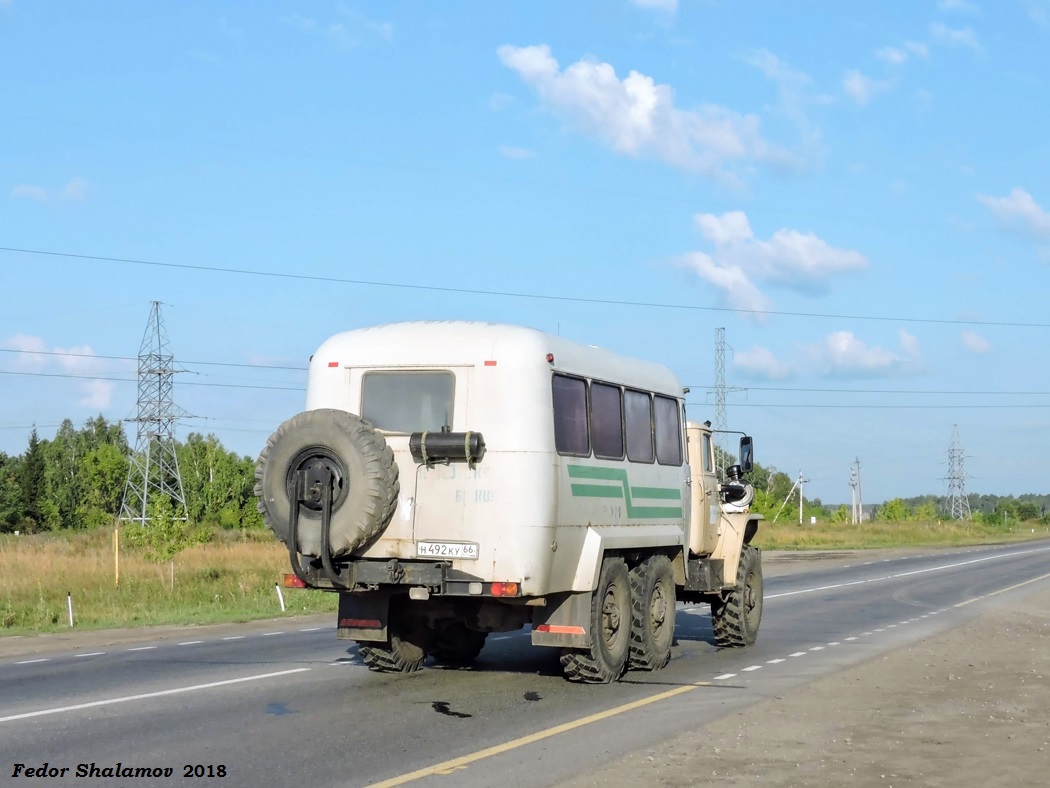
451	479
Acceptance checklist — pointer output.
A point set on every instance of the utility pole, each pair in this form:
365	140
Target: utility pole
958	507
798	484
857	512
154	467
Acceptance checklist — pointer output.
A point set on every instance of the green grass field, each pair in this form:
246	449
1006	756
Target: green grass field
221	581
233	580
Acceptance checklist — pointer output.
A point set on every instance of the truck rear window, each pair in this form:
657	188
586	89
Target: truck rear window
408	401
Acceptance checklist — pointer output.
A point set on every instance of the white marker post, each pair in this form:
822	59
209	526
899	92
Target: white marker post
280	596
69	606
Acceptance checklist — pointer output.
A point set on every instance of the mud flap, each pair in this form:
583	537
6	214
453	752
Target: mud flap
363	617
564	622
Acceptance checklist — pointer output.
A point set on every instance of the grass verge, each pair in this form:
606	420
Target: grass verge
933	533
217	582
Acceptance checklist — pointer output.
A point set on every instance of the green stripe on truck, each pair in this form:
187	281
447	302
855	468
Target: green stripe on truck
620	488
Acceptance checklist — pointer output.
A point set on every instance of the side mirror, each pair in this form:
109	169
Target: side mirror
747	454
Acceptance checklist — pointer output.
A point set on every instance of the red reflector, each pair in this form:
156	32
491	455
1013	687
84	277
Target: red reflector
490	363
558	629
293	581
361	623
550	358
504	589
333	363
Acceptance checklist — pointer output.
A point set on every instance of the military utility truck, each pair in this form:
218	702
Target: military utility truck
452	479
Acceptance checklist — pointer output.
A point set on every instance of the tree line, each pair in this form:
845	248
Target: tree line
76	480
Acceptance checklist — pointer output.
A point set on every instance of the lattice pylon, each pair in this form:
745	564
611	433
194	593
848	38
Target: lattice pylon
958	504
154	465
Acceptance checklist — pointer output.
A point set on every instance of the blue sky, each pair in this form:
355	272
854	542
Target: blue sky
856	192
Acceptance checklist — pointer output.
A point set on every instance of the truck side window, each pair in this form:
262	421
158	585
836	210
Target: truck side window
708	462
668	431
570	416
638	410
606	421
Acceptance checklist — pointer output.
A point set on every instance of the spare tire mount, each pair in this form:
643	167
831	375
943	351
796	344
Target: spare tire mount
313	482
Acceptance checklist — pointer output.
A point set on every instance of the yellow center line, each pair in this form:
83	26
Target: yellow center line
1003	590
458	763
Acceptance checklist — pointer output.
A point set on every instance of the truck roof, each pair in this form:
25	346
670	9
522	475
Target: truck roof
456	342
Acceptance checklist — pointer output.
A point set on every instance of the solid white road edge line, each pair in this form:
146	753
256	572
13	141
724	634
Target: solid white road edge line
145	695
908	574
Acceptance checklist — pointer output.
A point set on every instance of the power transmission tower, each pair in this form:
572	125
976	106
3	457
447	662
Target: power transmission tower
154	467
857	513
721	421
958	503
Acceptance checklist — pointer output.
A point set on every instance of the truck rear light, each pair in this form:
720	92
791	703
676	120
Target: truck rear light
504	589
361	623
293	581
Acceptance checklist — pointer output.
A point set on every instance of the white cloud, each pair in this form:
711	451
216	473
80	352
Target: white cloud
909	343
916	48
842	354
659	5
795	89
789	259
34	355
343	35
975	343
861	88
758	362
892	55
637	116
737	288
963	36
27	348
516	153
76	190
1038	11
38	193
1019	212
962	6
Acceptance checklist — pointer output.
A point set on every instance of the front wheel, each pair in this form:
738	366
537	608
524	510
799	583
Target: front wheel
737	615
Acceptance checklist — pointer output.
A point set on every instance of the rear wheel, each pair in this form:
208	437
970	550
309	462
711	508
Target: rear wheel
404	652
652	613
606	659
457	645
736	617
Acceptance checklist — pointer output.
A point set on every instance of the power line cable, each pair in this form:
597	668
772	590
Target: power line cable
69	354
133	380
514	294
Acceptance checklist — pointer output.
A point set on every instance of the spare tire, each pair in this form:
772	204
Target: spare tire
364	479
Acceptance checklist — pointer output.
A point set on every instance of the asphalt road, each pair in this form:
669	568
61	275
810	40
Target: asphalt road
292	705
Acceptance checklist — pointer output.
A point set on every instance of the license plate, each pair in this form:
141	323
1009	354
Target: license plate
447	550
